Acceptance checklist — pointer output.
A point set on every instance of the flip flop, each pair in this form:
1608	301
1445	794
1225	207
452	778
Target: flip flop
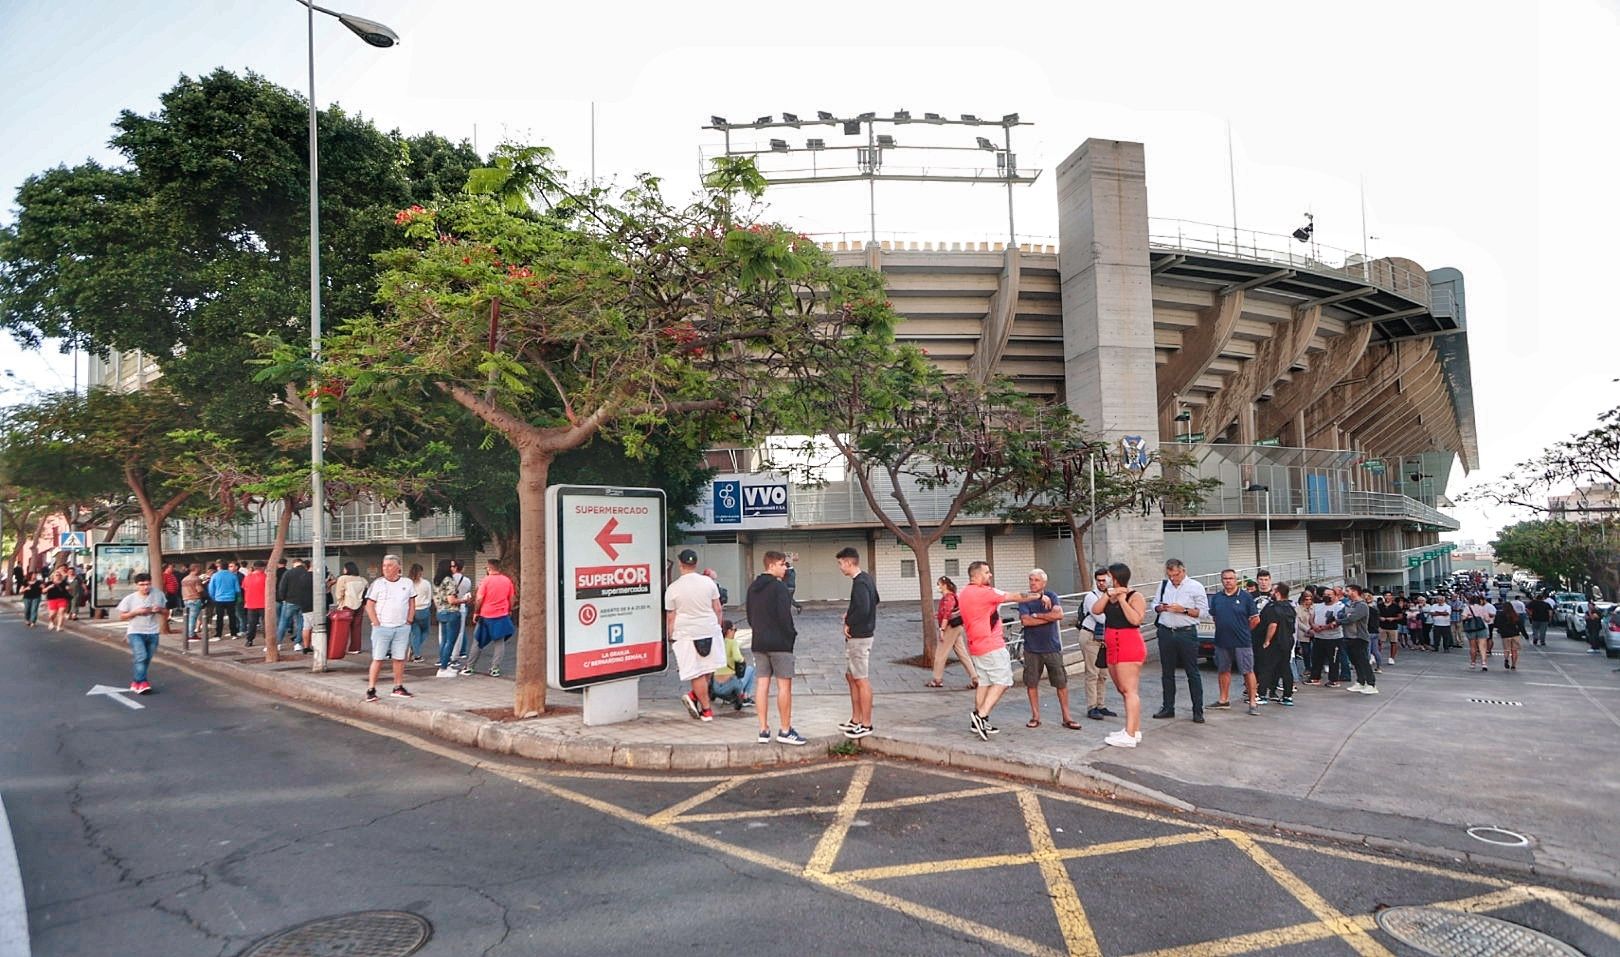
1072	725
934	684
1033	723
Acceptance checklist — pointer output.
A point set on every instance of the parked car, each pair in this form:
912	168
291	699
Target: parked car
1611	635
1575	617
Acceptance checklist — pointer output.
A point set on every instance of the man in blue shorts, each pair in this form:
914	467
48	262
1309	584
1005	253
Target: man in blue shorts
1235	614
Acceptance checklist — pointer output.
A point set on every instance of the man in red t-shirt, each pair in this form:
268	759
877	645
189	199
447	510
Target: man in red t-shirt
980	602
492	619
253	600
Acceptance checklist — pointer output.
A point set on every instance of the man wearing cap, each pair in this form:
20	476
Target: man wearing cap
693	614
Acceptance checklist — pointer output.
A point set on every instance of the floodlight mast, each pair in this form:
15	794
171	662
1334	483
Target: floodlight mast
869	162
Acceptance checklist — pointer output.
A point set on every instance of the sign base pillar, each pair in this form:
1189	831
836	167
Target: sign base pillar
613	702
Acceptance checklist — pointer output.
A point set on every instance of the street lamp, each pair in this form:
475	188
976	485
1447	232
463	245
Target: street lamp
377	35
1257	487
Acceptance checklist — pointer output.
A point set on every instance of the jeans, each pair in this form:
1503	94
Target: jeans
1179	649
1440	635
1357	647
194	613
449	629
738	683
143	647
291	619
419	632
31	610
1538	632
250	622
222	612
1277	667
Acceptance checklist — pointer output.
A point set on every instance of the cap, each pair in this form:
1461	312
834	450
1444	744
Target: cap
687	557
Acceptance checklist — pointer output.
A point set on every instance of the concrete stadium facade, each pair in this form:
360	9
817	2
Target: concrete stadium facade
1340	383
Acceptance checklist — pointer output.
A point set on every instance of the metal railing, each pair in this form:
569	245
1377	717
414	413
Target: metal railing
1282	250
900	241
356	525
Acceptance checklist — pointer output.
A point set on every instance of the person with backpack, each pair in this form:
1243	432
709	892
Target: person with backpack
1478	617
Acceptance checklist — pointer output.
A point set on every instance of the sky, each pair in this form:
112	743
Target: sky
1478	136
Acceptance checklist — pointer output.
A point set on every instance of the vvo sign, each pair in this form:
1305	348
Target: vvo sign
750	500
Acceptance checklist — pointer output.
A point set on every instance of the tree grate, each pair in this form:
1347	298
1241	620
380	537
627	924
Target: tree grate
1498	701
1445	933
377	933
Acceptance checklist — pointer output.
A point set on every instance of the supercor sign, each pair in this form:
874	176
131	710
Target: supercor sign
605	569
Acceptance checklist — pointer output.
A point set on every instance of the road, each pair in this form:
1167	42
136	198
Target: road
212	818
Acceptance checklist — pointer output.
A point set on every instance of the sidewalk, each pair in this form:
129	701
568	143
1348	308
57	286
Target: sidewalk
1410	769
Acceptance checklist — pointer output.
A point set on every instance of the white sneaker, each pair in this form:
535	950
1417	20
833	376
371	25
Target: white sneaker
1389	661
1120	739
445	673
1354	686
1368	689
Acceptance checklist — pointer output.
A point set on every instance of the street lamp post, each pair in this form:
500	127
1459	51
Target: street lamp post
1256	487
377	35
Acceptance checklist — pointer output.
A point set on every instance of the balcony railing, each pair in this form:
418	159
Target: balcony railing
356	525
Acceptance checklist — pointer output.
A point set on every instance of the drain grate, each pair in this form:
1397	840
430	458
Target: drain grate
1446	933
375	933
1499	701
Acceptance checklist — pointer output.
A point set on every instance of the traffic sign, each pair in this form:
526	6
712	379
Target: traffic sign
76	541
605	569
1413	561
1268	442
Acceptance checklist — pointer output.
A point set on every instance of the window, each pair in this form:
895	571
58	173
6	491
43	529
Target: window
908	568
953	567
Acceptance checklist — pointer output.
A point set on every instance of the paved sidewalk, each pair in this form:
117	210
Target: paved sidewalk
1410	769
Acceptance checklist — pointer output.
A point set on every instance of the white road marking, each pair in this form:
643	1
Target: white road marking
116	694
13	907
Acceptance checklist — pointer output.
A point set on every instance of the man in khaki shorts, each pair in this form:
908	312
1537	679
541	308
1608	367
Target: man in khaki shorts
860	623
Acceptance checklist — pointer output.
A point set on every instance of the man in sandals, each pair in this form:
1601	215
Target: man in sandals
1043	649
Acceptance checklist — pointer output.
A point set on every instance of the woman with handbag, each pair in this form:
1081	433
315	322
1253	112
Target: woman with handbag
948	618
1478	616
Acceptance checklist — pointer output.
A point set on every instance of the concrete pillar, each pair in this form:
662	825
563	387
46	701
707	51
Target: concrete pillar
1109	373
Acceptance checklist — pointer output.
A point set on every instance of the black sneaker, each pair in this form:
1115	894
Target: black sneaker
1106	713
1094	714
979	726
1164	713
371	696
1198	719
858	731
400	692
1222	704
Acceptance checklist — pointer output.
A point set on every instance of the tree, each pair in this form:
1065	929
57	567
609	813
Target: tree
1571	552
1582	459
1086	484
902	427
608	315
132	432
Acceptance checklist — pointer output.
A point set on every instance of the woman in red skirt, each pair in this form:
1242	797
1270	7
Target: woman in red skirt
1122	610
57	596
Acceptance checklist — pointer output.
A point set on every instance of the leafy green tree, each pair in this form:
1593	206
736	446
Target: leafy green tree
609	316
1571	552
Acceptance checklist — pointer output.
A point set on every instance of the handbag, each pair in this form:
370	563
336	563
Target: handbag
1101	660
955	619
703	646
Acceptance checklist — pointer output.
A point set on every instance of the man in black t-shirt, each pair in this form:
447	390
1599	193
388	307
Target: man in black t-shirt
1276	653
1540	612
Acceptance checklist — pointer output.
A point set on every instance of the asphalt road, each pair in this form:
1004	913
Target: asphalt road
211	818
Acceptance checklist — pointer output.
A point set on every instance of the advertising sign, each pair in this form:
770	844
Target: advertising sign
605	568
113	576
744	501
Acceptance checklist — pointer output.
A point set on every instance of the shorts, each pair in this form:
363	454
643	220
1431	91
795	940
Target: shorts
693	665
994	667
857	657
309	619
1125	646
56	604
390	641
1513	643
1052	661
777	664
1240	659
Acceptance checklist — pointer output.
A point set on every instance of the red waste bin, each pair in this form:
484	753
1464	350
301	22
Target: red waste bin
338	624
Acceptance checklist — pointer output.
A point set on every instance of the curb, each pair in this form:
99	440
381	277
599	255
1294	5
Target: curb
469	730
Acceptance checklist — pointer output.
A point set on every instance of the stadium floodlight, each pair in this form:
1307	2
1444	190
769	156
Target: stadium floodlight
718	121
1304	233
933	118
1010	119
791	119
969	118
852	127
779	146
902	116
985	144
767	118
885	140
823	116
815	144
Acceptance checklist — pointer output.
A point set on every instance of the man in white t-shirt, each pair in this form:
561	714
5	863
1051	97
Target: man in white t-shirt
143	609
1440	624
693	614
390	604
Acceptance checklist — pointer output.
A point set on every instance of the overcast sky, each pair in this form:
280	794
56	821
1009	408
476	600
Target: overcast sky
1484	134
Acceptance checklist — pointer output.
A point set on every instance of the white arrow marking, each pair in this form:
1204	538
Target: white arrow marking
116	694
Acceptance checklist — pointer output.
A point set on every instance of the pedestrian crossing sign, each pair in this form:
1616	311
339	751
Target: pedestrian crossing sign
73	540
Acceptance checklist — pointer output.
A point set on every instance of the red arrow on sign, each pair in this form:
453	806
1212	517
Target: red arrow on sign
607	539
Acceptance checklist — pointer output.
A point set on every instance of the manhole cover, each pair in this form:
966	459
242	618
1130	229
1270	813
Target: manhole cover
1500	701
1446	933
374	933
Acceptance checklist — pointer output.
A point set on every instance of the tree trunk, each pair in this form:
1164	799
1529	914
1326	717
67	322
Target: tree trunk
925	595
272	653
509	546
534	465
